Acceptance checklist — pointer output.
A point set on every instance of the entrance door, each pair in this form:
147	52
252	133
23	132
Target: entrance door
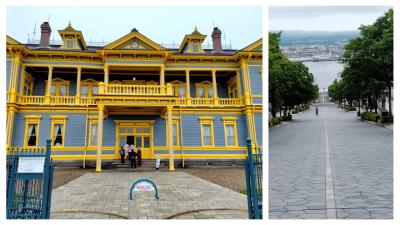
137	133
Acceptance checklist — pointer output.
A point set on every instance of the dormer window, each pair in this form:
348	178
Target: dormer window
192	42
195	46
70	42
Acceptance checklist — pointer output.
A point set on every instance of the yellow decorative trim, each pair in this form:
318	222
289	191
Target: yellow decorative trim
230	121
31	119
207	121
93	121
57	82
176	124
206	85
54	121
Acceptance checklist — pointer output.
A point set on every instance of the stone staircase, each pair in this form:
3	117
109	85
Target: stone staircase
148	165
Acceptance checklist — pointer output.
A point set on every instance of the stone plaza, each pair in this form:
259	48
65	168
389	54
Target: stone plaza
182	196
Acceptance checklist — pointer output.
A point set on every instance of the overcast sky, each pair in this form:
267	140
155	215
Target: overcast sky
324	18
161	24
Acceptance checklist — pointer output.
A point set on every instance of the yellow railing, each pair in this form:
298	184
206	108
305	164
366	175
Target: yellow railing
62	100
32	99
202	101
230	101
139	100
122	89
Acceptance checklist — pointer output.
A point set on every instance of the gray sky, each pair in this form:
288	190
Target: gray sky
324	18
161	24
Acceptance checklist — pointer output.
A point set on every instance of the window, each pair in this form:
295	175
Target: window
175	131
58	130
207	131
230	131
204	90
89	87
178	88
28	84
233	88
195	46
32	131
70	42
59	87
93	132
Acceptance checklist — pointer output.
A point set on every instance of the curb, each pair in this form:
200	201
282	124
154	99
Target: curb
374	123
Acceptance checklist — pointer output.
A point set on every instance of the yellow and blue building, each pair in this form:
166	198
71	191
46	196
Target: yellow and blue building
185	103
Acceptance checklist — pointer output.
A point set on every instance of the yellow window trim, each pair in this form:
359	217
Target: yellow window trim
93	120
89	83
206	85
32	119
58	120
57	82
178	84
176	123
207	121
230	121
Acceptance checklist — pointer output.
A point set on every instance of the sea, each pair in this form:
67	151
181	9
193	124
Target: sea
325	72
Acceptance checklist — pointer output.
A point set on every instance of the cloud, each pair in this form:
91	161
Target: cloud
311	12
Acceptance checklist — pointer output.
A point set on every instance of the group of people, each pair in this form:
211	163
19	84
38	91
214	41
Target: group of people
134	153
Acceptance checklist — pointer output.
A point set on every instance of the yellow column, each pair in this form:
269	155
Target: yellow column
170	138
162	79
99	137
10	124
78	86
14	79
188	98
106	76
251	127
214	81
48	88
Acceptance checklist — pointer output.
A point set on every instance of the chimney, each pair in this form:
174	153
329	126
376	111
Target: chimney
45	35
216	38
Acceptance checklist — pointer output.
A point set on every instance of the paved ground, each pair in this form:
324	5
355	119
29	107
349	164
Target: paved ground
330	166
105	195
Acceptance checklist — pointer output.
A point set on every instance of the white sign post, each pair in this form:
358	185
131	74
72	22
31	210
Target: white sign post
31	164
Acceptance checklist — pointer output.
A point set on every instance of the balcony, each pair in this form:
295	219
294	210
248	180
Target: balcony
135	90
137	100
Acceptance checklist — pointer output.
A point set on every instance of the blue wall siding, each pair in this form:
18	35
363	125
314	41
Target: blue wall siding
159	132
75	130
109	132
259	128
255	80
8	71
191	129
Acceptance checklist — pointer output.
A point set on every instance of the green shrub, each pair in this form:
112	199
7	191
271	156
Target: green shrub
274	121
371	116
349	108
294	111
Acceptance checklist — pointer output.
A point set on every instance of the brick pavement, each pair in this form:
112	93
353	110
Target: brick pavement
182	196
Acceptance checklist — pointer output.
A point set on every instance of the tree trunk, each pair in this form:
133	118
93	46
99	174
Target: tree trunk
390	100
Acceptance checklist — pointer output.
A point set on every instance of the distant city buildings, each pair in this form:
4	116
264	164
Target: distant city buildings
314	52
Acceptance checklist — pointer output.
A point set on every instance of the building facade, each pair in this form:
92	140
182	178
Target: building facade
185	103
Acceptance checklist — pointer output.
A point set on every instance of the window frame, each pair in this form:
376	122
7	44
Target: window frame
176	124
230	121
28	84
57	82
31	119
207	121
93	121
90	83
206	85
54	121
176	84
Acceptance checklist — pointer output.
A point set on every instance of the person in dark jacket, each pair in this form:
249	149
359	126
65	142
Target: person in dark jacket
132	157
122	153
139	156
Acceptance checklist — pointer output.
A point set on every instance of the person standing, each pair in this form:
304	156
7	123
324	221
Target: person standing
316	110
132	157
122	154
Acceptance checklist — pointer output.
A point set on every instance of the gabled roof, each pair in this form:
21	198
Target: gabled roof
195	35
254	47
12	41
134	41
69	30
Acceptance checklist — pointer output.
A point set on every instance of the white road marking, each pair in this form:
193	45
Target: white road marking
329	191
